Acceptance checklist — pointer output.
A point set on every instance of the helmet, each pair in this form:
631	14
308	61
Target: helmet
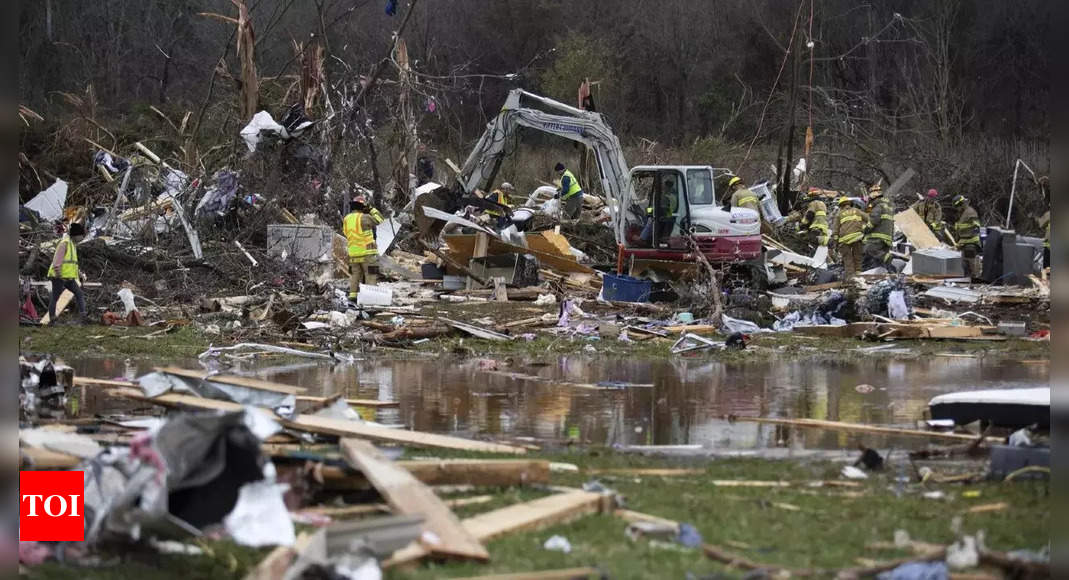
960	200
360	198
813	192
734	180
506	186
876	190
932	193
843	200
559	167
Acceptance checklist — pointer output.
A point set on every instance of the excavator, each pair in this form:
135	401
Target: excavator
660	213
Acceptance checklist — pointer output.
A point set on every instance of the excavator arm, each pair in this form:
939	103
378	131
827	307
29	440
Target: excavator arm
565	121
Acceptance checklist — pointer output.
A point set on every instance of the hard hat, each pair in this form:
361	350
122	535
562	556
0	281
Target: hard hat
734	180
360	198
559	167
507	186
960	199
813	192
932	193
877	188
843	200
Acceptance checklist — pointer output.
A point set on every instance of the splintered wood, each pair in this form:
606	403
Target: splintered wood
407	495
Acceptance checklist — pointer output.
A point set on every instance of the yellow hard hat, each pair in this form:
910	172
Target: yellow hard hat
876	188
843	200
813	192
734	180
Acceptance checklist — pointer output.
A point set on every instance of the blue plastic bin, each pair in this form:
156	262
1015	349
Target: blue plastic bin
625	288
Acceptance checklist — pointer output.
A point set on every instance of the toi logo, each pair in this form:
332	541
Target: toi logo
51	507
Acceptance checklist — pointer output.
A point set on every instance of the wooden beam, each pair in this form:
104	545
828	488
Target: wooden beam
407	495
478	472
61	305
539	513
355	402
325	426
564	574
860	428
374	508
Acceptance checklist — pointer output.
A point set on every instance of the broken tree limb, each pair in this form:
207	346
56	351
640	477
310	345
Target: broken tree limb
408	496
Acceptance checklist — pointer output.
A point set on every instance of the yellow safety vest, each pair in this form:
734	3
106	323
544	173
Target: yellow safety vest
361	242
69	269
500	197
574	186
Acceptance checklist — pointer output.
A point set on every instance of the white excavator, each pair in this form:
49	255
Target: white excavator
660	213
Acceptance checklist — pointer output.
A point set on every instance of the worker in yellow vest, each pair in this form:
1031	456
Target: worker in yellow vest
503	196
64	272
570	193
359	230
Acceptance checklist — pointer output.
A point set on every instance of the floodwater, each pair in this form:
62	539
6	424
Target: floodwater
685	406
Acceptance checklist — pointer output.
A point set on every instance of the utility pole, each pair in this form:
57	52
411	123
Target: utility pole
785	176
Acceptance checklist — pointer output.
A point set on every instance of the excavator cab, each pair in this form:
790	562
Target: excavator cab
658	216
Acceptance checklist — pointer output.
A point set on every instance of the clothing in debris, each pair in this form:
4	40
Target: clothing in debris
570	193
847	232
967	232
359	230
932	214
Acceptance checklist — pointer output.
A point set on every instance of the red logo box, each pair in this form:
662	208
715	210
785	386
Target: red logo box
51	506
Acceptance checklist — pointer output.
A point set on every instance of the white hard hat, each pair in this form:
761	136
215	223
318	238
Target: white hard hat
508	186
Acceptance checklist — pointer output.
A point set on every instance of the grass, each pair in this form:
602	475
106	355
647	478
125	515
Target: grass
113	341
827	530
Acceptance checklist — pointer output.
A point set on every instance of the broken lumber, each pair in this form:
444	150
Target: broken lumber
236	380
327	426
374	508
445	258
535	514
408	496
564	574
857	428
61	305
355	402
910	223
478	472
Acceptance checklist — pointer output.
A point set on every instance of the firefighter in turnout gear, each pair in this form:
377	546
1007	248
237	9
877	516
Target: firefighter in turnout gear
967	234
813	223
359	230
879	230
931	212
741	196
847	230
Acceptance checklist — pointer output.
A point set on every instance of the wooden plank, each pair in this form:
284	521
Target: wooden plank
240	381
860	428
277	561
550	242
37	458
61	305
482	242
407	495
917	232
477	472
461	246
344	428
354	402
535	514
563	574
374	508
326	426
655	472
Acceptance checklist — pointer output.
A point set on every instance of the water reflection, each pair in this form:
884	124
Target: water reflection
687	404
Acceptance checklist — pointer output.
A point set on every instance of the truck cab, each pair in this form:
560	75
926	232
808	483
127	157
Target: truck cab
671	200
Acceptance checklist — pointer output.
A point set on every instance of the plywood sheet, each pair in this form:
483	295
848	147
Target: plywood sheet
917	232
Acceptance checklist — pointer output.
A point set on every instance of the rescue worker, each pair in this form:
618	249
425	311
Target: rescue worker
814	222
64	272
424	166
503	196
570	193
967	234
741	196
930	211
880	228
668	202
359	230
846	232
